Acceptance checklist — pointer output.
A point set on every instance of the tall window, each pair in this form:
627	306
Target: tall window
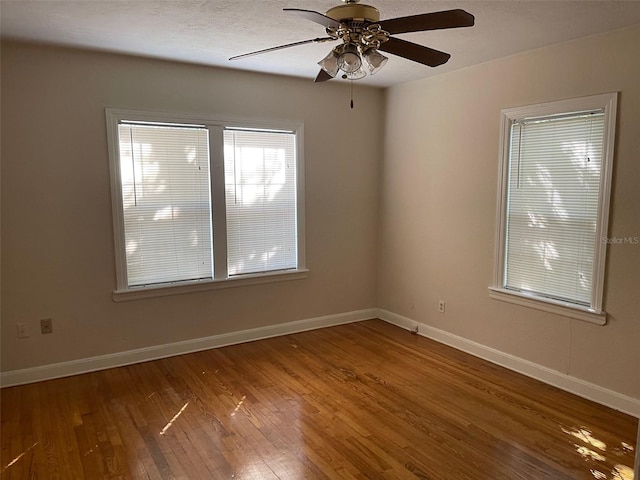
200	201
260	185
553	204
166	208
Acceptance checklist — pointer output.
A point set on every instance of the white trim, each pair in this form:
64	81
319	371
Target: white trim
557	379
503	177
300	198
200	119
608	103
113	147
102	362
218	203
549	305
181	288
600	251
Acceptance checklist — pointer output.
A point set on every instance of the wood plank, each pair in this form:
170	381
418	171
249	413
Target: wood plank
360	401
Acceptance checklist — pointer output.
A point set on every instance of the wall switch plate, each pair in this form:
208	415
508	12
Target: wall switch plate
46	325
23	330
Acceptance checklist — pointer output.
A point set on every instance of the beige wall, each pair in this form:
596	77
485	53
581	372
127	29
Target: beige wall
438	207
57	239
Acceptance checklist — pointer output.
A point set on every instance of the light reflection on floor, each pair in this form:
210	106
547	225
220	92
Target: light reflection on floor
598	454
235	410
175	417
15	460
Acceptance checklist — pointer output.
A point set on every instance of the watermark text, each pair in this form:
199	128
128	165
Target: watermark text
621	240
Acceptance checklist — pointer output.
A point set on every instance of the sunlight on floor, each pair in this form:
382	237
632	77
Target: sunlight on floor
586	436
235	410
622	472
175	417
13	462
597	454
589	454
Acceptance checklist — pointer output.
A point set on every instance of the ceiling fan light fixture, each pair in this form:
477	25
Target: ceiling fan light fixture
374	60
349	60
330	63
357	75
362	34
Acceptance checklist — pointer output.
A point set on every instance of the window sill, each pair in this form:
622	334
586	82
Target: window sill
547	305
138	293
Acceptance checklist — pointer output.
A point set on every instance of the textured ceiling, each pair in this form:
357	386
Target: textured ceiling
209	32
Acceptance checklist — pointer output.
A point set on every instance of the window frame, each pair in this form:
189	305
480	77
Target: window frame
593	313
216	125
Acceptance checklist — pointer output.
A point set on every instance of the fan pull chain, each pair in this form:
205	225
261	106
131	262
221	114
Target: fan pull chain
351	92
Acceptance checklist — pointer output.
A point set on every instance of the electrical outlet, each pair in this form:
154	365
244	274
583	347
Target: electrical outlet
23	330
46	325
441	306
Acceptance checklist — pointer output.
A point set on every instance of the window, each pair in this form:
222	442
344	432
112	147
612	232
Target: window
164	177
553	203
260	192
201	203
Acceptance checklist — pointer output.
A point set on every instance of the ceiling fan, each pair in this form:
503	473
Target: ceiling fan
363	35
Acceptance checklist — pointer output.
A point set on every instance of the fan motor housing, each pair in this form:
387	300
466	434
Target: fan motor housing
354	11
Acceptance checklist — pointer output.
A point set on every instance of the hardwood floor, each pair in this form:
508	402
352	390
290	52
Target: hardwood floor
359	401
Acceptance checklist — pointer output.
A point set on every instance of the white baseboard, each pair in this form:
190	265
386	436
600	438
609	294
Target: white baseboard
582	388
571	384
102	362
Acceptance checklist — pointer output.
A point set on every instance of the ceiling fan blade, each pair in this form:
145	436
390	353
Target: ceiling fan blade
273	49
317	17
428	21
323	76
413	51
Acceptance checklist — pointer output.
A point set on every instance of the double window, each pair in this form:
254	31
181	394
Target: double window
555	178
202	202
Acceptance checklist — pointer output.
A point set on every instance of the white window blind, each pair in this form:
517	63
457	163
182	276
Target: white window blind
554	178
166	203
260	191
